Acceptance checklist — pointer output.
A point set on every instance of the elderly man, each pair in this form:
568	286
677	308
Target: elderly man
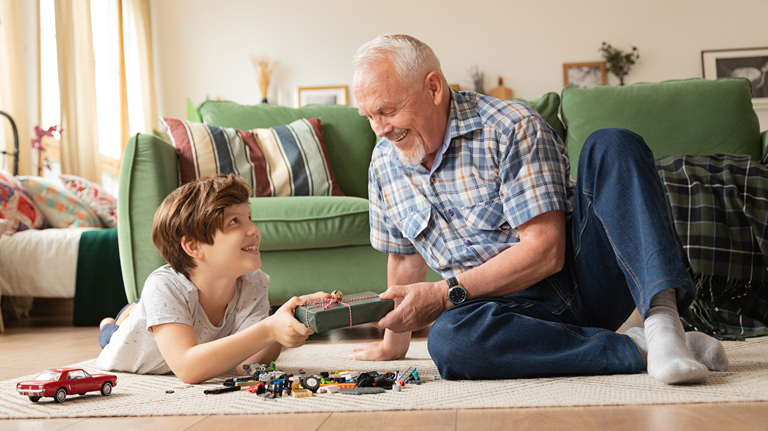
539	271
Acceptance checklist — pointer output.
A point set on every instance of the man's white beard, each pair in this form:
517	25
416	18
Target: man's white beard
414	159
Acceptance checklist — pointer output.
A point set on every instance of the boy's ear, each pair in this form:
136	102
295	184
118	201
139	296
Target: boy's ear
191	247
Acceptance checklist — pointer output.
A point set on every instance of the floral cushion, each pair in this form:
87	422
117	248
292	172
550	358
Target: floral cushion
16	207
60	207
93	195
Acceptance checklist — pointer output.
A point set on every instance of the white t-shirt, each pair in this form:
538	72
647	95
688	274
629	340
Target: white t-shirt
169	297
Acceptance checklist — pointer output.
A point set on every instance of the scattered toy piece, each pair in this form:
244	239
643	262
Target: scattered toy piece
362	391
328	389
301	393
221	390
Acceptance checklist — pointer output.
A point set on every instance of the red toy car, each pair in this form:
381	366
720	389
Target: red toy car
58	382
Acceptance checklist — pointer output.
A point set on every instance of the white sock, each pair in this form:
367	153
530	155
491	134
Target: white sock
705	349
669	360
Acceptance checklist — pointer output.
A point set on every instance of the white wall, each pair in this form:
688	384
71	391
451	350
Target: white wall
203	48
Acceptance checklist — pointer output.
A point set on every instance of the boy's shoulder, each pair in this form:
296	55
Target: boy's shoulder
165	279
255	280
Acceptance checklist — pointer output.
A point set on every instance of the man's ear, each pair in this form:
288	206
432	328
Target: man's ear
435	86
191	247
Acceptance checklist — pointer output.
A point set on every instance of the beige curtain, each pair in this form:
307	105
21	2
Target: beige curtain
79	143
13	84
138	51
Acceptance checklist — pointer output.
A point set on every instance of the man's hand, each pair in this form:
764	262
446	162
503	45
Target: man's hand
417	305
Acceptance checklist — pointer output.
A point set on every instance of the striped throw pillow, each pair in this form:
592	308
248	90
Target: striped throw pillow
290	160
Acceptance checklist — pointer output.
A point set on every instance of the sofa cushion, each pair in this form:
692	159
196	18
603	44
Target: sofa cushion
94	196
348	136
692	116
60	207
548	106
16	206
289	160
307	222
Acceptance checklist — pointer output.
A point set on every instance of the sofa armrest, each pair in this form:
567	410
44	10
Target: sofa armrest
764	140
148	173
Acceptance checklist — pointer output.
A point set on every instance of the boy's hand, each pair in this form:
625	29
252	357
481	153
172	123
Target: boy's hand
285	329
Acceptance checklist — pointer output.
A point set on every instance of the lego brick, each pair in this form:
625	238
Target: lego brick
356	309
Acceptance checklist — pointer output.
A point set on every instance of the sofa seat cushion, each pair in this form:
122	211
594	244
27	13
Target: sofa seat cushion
691	116
307	222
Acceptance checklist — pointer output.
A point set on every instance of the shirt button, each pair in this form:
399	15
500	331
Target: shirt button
469	242
433	177
450	213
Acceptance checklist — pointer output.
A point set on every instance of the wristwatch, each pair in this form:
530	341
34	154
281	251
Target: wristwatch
456	293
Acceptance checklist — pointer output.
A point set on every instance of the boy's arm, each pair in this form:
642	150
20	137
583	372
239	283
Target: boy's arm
264	356
194	363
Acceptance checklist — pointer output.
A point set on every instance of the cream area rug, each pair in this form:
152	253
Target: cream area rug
141	395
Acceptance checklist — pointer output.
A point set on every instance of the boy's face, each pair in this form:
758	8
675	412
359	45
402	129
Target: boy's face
235	248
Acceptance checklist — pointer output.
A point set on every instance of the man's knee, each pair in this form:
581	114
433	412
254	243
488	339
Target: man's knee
442	336
614	147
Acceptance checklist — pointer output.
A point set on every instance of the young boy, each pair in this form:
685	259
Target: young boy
206	311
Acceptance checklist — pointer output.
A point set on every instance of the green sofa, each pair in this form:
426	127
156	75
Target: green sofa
322	243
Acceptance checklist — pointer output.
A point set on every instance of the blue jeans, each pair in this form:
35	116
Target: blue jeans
105	335
621	251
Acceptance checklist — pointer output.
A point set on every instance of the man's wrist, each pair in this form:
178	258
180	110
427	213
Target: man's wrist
443	289
456	294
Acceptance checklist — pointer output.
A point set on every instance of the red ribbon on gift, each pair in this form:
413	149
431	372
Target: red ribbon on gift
326	303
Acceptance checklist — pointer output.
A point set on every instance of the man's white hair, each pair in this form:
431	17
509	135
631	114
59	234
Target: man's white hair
413	58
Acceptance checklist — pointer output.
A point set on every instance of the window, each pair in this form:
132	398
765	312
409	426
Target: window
112	120
50	104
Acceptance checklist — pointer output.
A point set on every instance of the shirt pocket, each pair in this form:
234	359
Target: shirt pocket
415	222
487	216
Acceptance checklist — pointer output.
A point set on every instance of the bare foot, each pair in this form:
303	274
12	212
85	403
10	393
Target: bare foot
105	321
393	346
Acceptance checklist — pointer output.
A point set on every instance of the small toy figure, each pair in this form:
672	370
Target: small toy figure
59	382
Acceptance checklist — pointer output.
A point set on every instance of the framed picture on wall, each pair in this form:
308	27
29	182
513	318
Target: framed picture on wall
584	75
750	63
332	95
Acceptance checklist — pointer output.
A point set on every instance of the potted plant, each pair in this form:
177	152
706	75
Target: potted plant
618	62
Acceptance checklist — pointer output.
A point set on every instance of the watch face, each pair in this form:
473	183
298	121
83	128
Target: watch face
457	295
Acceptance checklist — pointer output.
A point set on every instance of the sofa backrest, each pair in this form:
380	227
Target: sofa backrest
348	136
692	116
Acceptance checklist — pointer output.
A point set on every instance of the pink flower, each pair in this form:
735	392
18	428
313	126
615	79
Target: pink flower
38	145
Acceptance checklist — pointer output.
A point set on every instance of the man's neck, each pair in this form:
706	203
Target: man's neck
429	159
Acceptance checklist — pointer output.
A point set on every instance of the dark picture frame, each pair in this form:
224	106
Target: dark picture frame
749	63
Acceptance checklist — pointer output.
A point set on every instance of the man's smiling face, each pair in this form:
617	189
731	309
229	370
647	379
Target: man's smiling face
408	117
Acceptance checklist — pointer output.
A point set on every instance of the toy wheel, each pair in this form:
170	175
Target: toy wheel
106	388
60	395
34	399
312	383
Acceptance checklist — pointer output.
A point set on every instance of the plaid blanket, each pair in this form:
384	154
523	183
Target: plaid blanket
719	204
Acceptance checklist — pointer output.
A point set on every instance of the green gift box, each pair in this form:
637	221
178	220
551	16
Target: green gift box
326	314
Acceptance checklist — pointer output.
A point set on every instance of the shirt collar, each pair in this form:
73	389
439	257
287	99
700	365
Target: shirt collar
463	118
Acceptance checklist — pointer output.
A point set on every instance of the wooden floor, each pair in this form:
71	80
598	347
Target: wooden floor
28	348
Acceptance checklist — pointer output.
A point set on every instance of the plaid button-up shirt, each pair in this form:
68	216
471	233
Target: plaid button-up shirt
500	166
